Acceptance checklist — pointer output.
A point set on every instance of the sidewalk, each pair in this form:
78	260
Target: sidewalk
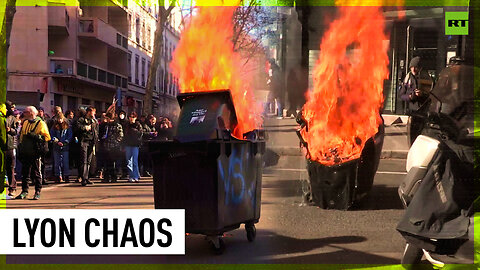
283	140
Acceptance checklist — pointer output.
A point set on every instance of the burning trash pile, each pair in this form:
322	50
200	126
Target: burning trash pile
341	125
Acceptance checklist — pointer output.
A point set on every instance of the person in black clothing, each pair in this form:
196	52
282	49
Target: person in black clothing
164	129
416	85
75	144
87	127
415	92
56	111
43	158
111	135
10	155
122	164
149	133
34	130
69	115
133	140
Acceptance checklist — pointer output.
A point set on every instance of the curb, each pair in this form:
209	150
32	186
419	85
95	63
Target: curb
399	154
296	151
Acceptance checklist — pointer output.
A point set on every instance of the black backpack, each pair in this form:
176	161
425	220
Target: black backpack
33	145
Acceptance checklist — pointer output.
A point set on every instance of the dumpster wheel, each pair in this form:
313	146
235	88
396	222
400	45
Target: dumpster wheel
217	244
251	232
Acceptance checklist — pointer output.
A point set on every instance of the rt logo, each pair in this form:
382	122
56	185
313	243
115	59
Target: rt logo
456	23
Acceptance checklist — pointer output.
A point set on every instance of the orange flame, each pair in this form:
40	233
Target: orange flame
342	111
205	61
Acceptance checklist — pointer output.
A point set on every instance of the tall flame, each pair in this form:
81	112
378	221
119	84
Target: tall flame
342	111
205	61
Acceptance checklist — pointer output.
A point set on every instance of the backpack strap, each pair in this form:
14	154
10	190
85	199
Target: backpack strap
36	125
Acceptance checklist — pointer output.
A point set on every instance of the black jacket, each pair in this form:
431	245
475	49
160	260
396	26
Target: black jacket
12	135
111	135
149	132
84	135
133	134
407	90
442	204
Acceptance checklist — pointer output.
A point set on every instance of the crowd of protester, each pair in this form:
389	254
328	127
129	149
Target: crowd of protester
108	145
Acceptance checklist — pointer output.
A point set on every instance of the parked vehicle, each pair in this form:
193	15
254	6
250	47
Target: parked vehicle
438	190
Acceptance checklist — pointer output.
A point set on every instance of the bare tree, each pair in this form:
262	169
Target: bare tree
250	23
10	10
4	45
156	55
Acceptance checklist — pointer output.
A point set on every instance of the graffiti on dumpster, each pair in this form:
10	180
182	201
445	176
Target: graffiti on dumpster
236	189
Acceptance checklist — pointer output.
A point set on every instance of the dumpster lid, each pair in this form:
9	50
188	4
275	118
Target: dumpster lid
205	115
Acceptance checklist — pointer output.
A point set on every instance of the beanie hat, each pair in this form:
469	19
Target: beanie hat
415	62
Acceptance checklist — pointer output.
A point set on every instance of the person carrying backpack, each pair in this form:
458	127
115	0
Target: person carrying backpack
111	135
33	137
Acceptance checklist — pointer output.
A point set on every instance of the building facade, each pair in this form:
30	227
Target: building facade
142	26
78	56
69	56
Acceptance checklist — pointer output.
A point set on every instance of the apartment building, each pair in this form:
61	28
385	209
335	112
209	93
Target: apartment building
68	56
142	26
74	56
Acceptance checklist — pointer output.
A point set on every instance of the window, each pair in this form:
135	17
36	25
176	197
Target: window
137	29
92	73
148	69
58	100
129	67
155	81
72	103
110	78
177	88
165	49
130	31
98	105
136	68
143	71
102	76
170	51
167	84
82	70
162	80
149	41
162	49
170	83
143	35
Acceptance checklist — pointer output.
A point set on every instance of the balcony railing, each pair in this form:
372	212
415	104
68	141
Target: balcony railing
62	66
100	75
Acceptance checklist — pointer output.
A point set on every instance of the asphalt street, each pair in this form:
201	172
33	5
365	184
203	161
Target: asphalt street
289	231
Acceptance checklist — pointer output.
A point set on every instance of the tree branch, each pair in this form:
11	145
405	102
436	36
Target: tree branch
156	56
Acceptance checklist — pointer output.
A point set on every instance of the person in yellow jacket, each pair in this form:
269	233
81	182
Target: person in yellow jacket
31	162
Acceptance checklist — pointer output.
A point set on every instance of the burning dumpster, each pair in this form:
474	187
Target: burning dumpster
214	176
342	128
339	186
